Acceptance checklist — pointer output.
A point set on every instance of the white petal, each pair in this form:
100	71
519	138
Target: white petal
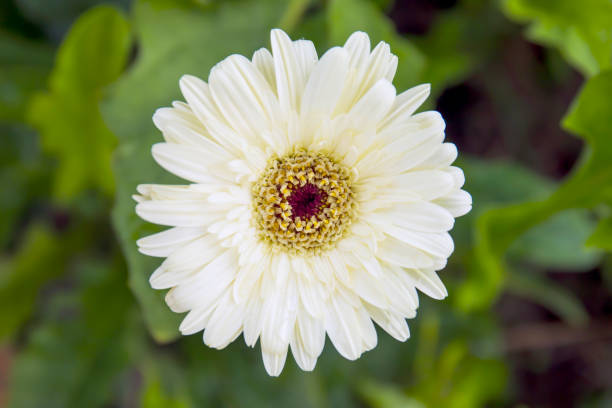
198	95
337	262
206	286
368	331
373	106
181	126
306	54
458	202
391	322
438	244
311	296
365	69
405	136
343	328
427	184
184	262
304	360
444	155
413	158
290	79
246	279
196	320
311	332
406	104
253	320
367	287
399	253
176	133
166	242
421	216
402	297
225	324
180	213
264	62
457	174
325	83
274	362
190	163
358	46
171	192
279	313
243	96
428	282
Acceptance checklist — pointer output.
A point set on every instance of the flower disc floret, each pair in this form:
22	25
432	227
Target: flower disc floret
303	202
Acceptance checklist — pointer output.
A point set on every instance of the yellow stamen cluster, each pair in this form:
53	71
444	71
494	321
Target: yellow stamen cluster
276	220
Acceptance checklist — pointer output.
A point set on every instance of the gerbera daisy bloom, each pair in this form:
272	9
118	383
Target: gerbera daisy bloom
318	201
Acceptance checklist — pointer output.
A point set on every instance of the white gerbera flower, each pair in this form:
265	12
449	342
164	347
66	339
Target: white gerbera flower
319	201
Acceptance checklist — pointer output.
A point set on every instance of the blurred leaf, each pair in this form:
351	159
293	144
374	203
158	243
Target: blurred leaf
589	184
581	30
93	54
602	236
76	357
520	183
55	16
386	396
558	243
549	294
193	48
293	14
24	66
23	174
165	384
155	397
348	16
460	379
42	257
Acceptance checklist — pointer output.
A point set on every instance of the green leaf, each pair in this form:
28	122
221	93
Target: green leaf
386	396
41	257
602	236
76	357
558	243
580	30
459	379
588	185
193	47
155	397
93	55
165	385
347	16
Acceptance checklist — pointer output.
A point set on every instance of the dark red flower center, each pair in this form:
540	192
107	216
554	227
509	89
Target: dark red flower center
306	200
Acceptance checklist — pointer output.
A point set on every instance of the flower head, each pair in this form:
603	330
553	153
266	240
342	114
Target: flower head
318	201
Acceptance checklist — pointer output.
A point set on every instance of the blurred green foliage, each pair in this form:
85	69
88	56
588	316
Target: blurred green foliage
581	30
92	55
75	305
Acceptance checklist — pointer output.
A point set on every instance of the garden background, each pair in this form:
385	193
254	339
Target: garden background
526	89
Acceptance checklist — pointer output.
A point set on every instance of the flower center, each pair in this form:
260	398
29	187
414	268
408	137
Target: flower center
303	202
